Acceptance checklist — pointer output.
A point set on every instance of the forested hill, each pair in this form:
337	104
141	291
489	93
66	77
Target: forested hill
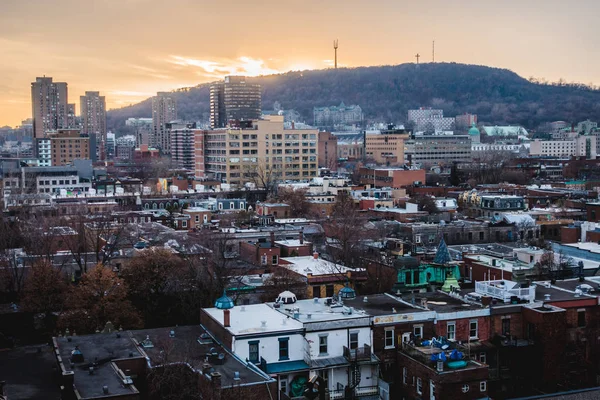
497	96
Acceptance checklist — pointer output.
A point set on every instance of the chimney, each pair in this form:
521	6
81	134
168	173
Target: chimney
301	236
216	378
316	255
226	318
272	239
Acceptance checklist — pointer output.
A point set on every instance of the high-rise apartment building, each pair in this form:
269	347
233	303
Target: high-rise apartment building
93	114
164	110
71	116
182	146
261	152
234	100
49	101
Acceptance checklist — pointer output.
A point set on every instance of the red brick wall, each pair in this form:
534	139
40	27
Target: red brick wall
480	272
389	355
216	329
516	325
448	386
593	212
569	235
462	328
592	236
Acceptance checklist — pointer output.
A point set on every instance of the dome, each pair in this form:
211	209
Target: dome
347	293
286	297
224	302
473	131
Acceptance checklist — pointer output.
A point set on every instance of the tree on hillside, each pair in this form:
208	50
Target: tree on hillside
100	297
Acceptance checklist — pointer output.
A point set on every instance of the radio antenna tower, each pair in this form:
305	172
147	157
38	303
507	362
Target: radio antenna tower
417	57
433	51
335	47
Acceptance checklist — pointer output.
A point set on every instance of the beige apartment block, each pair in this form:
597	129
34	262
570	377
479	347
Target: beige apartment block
385	148
260	152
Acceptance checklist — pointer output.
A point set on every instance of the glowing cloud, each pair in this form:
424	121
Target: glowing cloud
247	66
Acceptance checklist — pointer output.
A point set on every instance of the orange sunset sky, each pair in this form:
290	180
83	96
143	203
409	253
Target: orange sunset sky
129	49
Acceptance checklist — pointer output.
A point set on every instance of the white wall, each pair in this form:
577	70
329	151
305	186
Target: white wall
268	347
336	340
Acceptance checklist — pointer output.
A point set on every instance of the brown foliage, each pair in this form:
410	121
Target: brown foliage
45	289
283	279
101	296
296	199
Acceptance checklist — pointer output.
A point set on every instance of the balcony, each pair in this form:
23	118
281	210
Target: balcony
361	392
505	290
359	354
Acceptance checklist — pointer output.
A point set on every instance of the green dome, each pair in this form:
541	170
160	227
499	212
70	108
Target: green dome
224	302
473	131
347	293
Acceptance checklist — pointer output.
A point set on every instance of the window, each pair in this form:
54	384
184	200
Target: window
316	291
506	326
284	349
473	331
283	381
418	239
264	259
418	330
329	291
253	351
431	390
322	345
389	338
581	318
482	386
465	388
197	218
483	358
419	386
184	224
353	340
274	260
404	375
451	331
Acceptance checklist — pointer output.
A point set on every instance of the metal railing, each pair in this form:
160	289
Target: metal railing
358	354
495	290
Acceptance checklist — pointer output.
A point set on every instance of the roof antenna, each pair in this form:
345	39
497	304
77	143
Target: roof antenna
335	47
433	52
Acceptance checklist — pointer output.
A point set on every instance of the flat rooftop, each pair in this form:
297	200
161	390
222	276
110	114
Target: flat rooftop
441	302
248	320
185	346
309	265
316	310
292	243
381	304
98	350
28	372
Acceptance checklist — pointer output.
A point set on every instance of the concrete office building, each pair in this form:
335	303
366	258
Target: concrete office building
386	146
164	110
260	152
49	101
580	146
234	100
430	120
429	150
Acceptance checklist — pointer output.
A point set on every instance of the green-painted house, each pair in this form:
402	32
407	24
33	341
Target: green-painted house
414	276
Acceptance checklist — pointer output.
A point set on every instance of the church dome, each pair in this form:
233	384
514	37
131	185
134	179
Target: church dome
473	131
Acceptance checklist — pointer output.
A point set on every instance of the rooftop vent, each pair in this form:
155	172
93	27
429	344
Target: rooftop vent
127	381
263	324
547	296
105	389
147	343
236	376
316	300
171	334
76	355
91	370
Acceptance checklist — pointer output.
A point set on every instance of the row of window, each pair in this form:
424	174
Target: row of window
418	383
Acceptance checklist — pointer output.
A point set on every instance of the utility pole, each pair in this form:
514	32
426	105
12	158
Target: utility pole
335	47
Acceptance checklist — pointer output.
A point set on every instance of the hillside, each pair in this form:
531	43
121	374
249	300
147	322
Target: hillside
497	96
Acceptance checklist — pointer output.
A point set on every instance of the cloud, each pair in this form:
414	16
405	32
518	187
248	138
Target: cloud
244	65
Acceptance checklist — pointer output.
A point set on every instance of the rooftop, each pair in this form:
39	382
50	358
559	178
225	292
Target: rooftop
318	310
381	304
248	320
309	265
292	243
98	351
185	346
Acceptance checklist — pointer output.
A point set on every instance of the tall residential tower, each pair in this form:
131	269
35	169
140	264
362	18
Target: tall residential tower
234	100
164	110
49	101
93	114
